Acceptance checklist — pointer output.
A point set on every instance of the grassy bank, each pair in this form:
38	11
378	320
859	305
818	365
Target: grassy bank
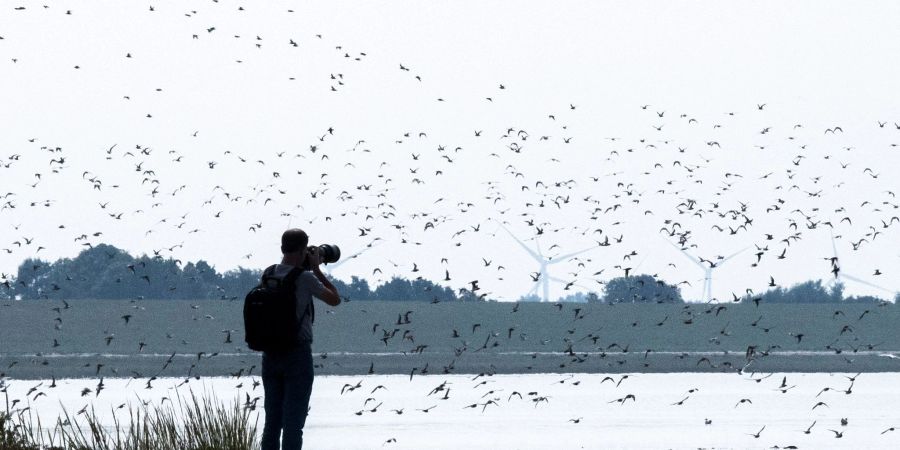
192	423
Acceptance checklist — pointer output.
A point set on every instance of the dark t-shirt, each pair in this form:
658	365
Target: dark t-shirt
308	286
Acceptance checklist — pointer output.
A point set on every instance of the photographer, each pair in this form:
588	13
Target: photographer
288	375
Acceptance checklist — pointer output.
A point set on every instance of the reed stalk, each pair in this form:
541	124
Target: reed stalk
186	423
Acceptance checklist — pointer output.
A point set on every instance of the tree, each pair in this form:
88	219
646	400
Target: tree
837	292
578	297
105	272
640	289
5	289
812	291
863	299
358	289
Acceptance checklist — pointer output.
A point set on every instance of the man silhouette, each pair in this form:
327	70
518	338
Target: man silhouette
288	375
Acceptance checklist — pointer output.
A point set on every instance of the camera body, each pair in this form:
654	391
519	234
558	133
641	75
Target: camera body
328	253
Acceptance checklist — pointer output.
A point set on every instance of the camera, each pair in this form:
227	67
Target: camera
328	253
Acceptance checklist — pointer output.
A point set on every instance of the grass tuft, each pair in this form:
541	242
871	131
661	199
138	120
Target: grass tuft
194	423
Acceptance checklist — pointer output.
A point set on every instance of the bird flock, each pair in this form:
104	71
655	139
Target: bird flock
431	198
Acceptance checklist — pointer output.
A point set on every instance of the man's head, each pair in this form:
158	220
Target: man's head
294	240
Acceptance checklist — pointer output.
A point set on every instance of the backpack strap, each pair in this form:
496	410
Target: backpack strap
291	278
267	273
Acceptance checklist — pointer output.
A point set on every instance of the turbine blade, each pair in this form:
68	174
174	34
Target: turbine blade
861	281
567	282
720	263
640	264
833	246
567	256
534	289
687	255
522	244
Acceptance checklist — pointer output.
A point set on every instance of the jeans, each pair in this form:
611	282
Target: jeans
287	380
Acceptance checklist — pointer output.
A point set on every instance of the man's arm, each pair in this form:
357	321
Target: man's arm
330	295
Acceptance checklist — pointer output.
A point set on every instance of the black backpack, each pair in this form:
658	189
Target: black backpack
270	313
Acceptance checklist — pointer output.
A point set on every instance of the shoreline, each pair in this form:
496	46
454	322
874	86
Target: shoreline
184	365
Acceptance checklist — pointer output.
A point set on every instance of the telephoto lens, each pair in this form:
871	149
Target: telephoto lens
329	253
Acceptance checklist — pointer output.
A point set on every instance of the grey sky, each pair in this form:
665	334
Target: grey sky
817	64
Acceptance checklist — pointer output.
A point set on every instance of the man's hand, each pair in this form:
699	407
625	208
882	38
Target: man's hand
330	295
313	257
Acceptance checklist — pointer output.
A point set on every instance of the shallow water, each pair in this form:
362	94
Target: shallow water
38	342
652	420
552	351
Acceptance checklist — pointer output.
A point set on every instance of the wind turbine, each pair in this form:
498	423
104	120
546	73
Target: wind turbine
707	268
841	275
544	278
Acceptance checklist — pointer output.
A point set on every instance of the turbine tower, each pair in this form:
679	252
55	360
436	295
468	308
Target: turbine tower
841	276
707	268
544	278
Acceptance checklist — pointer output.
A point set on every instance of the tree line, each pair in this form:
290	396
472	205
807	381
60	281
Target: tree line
106	272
